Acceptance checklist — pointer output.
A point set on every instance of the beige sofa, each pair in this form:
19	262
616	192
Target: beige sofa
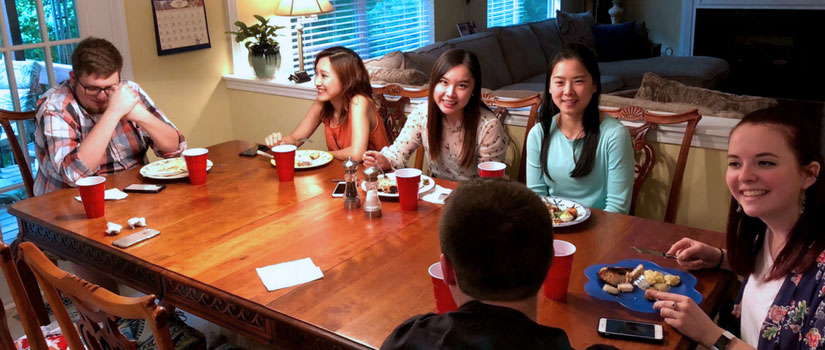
515	58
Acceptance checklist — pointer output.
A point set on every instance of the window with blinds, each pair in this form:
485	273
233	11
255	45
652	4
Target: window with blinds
371	28
509	12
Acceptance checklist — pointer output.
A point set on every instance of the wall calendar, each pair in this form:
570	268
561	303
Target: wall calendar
180	25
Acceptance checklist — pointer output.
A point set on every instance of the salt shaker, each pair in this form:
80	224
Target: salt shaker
351	199
372	205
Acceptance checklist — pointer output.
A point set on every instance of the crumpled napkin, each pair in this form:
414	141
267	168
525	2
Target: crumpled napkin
437	195
289	274
111	194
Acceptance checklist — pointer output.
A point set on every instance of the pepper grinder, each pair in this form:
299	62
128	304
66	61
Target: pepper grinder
372	205
351	199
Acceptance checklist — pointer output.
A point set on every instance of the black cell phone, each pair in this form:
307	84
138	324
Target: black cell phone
339	189
254	150
144	188
631	330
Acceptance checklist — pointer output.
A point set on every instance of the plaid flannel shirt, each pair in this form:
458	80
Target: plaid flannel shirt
62	124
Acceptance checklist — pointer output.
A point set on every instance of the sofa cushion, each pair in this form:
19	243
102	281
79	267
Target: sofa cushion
522	51
701	71
576	28
424	58
616	42
393	59
547	31
610	83
412	77
494	72
655	88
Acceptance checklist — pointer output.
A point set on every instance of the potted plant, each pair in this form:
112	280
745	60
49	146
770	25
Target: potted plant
264	52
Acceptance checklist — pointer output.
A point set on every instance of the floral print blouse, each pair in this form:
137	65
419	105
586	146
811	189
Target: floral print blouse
491	145
796	320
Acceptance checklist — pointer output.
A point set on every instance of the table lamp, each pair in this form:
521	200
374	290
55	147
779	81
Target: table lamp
302	8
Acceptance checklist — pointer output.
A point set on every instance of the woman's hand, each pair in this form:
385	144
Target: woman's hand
693	255
682	313
274	140
375	158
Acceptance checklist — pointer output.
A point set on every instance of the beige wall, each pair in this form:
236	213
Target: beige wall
187	86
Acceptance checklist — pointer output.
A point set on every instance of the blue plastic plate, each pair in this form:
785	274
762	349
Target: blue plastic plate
636	300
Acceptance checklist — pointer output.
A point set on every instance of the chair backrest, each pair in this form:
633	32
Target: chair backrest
6	118
22	303
392	111
647	158
500	106
97	307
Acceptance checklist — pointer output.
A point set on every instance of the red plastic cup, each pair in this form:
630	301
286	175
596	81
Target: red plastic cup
558	277
491	169
196	165
408	180
285	161
443	297
92	190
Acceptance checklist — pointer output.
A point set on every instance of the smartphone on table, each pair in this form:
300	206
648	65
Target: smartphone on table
339	189
144	188
631	330
253	151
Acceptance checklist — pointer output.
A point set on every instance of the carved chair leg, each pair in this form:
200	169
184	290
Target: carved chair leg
30	284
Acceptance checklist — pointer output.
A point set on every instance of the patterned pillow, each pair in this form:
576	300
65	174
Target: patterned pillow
577	28
656	88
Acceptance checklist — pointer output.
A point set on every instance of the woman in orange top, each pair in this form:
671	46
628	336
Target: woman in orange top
345	106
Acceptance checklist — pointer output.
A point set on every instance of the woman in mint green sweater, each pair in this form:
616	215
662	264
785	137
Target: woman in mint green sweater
574	152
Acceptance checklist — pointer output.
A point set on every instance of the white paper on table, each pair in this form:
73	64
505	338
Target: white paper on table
111	194
288	274
437	195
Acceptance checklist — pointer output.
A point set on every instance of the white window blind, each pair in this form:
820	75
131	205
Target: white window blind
371	28
509	12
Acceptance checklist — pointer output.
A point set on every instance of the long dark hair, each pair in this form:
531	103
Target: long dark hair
472	111
353	76
590	121
746	234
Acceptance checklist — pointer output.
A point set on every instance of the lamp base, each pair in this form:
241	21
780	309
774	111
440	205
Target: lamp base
299	77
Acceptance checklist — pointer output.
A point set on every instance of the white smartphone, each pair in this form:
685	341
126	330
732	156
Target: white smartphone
632	330
339	189
135	238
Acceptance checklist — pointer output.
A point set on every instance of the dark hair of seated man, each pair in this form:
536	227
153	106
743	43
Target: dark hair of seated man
496	241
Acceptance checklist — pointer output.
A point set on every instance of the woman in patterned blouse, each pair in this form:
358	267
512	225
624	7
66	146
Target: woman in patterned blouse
774	239
457	130
344	105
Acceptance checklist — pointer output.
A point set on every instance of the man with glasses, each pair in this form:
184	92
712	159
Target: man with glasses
95	123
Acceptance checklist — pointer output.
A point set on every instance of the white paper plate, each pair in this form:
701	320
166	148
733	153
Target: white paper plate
427	183
563	204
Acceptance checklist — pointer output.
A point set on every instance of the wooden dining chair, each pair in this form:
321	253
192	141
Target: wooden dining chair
646	154
391	111
98	308
6	118
501	106
25	312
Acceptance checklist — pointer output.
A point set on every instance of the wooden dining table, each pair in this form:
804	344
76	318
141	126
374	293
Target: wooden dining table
214	236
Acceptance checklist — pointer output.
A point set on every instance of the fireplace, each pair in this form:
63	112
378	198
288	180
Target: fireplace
771	52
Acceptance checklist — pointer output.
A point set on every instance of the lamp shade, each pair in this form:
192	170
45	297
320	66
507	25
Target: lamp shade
302	7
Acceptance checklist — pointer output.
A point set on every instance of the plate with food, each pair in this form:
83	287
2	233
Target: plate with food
170	168
625	282
565	212
308	159
387	187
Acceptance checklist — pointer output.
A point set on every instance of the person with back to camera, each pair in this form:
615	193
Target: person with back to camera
578	153
496	242
457	130
774	239
344	105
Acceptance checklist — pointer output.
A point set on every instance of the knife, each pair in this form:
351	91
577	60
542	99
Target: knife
653	252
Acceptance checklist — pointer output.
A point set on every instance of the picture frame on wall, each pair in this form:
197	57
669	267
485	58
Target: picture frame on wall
180	26
466	28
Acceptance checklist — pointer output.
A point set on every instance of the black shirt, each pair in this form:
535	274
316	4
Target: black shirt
476	326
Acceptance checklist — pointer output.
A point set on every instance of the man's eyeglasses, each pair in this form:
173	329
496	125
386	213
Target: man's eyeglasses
94	90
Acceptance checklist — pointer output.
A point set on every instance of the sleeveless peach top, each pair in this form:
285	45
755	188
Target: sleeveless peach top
340	136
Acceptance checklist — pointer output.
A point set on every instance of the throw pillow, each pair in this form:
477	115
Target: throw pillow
616	42
397	76
576	28
656	88
393	59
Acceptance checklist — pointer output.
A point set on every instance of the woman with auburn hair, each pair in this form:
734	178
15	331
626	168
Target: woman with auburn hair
774	240
344	105
457	130
574	152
